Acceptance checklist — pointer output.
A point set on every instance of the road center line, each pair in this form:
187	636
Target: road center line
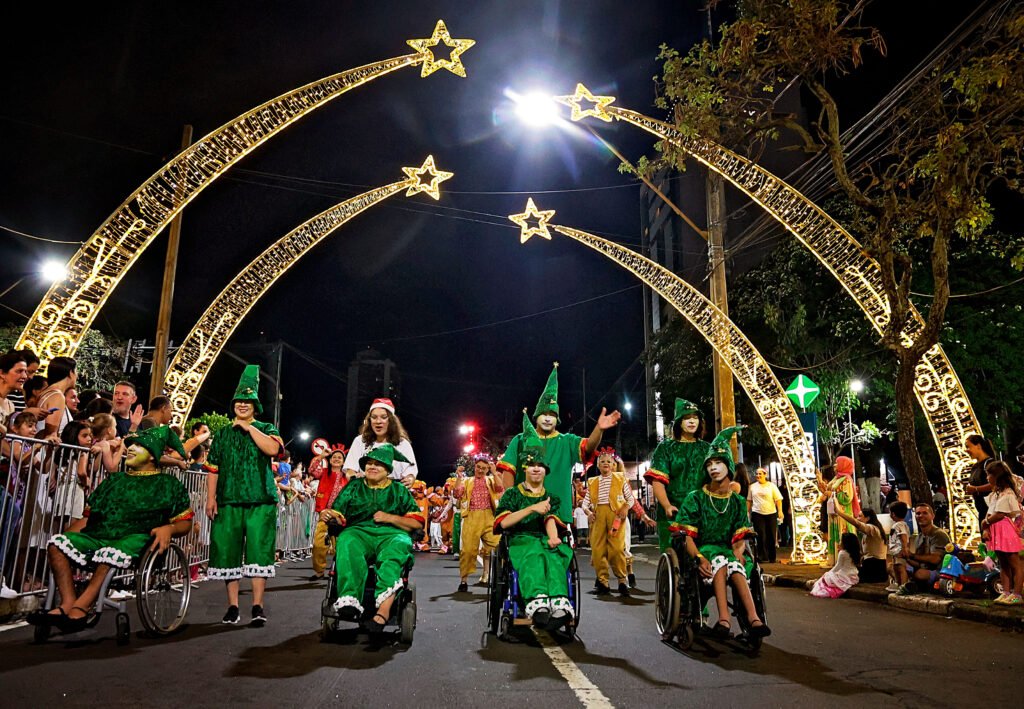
586	691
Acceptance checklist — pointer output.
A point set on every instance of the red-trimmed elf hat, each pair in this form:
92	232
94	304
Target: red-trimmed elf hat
385	404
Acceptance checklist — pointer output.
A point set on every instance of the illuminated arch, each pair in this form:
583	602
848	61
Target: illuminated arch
202	346
69	307
754	375
938	389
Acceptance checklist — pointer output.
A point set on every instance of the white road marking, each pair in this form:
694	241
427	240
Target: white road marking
586	691
13	626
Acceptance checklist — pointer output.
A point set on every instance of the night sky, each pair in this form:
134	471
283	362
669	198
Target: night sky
94	104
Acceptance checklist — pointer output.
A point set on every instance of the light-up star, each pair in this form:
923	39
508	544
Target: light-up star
441	36
597	110
523	220
420	185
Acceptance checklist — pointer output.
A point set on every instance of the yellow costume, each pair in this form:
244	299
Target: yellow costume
477	525
608	544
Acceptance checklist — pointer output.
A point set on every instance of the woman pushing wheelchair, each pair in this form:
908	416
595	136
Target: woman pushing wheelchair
377	514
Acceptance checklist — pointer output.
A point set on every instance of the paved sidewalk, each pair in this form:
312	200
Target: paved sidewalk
803	576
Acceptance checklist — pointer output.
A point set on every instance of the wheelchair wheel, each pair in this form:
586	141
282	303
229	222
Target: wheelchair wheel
408	618
574	589
124	629
504	629
667	599
328	626
162	590
497	589
685	637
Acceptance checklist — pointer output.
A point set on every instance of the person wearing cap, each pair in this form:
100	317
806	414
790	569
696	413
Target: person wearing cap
478	498
677	465
242	499
562	451
124	514
329	472
528	515
382	425
377	516
715	524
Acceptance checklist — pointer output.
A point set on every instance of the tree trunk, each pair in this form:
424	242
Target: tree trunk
920	488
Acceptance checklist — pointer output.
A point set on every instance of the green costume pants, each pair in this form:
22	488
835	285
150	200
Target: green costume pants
243	531
83	549
457	533
543	582
355	548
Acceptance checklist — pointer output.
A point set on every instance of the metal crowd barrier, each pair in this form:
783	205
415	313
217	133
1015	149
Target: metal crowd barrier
295	522
43	489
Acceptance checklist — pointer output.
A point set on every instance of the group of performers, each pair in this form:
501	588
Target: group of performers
371	490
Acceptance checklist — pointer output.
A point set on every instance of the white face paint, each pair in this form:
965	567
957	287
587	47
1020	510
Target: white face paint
137	456
717	469
547	422
690	424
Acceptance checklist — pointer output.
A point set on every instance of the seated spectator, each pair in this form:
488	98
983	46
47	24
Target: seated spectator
845	574
126	512
873	561
927	550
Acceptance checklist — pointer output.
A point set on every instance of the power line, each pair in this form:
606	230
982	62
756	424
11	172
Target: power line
38	238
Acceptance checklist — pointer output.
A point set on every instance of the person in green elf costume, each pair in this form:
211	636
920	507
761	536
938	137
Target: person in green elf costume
125	513
242	499
528	514
715	522
677	465
378	514
561	451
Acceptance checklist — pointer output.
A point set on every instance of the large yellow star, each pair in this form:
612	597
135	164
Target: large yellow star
415	174
441	36
583	94
523	220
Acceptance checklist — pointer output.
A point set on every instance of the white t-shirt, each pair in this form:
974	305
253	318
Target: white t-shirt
398	471
1005	502
580	517
765	499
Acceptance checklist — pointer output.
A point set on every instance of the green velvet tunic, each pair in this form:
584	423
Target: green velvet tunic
714	521
244	473
561	452
135	503
357	502
681	463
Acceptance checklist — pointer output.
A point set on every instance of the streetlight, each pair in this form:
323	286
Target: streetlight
628	406
303	436
53	271
856	387
535	108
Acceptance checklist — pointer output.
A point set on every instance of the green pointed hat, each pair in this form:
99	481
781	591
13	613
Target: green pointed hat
548	401
684	407
156	439
249	387
721	449
385	454
531	450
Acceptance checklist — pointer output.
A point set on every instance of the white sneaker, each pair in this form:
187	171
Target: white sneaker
892	588
119	595
6	592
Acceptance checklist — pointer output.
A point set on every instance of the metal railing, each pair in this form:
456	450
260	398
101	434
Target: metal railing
295	522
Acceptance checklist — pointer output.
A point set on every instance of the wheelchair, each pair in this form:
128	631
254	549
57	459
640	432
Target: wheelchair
681	597
506	607
403	610
162	587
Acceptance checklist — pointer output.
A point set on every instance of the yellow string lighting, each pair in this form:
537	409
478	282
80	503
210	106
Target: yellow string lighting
937	387
202	346
441	36
750	369
526	225
70	306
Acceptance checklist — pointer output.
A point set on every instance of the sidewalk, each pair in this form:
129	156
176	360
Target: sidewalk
803	576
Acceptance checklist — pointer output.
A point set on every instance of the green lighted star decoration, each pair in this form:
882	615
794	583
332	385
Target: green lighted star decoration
802	391
540	228
429	186
441	36
597	110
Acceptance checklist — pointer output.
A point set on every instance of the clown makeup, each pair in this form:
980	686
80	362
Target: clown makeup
717	470
689	425
379	423
375	472
546	423
137	456
481	468
606	464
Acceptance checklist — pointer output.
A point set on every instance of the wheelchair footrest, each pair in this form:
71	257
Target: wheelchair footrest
523	621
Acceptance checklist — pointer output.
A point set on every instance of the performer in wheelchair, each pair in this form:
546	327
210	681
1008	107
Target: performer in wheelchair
715	524
378	514
125	513
528	515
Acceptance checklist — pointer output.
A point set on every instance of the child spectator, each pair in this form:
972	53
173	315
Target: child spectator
844	575
899	545
1000	529
582	522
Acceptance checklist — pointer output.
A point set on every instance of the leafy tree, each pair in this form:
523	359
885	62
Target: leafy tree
928	184
214	421
100	358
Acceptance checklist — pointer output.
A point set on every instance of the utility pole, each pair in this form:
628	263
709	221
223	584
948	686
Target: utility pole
279	350
725	400
163	322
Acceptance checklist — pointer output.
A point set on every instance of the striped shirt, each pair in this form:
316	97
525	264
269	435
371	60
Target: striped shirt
604	487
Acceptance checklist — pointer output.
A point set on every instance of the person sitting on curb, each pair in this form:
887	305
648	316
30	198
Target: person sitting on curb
124	514
378	514
927	550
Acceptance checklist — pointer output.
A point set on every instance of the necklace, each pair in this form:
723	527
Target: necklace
715	507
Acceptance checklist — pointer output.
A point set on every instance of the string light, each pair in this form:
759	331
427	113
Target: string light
70	306
524	218
750	369
441	36
936	385
202	346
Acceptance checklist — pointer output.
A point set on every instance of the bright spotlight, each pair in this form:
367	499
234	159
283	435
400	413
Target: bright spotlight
628	406
468	448
53	271
536	109
304	435
856	386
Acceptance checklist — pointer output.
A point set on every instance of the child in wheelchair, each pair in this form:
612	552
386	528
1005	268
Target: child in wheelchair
377	515
125	513
715	524
526	515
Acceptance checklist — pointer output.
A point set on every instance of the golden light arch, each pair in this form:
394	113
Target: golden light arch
754	375
937	387
70	306
202	346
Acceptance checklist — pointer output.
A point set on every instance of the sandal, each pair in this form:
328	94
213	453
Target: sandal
70	625
722	629
41	617
760	630
375	626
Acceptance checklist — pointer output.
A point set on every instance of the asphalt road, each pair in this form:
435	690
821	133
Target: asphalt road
822	654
